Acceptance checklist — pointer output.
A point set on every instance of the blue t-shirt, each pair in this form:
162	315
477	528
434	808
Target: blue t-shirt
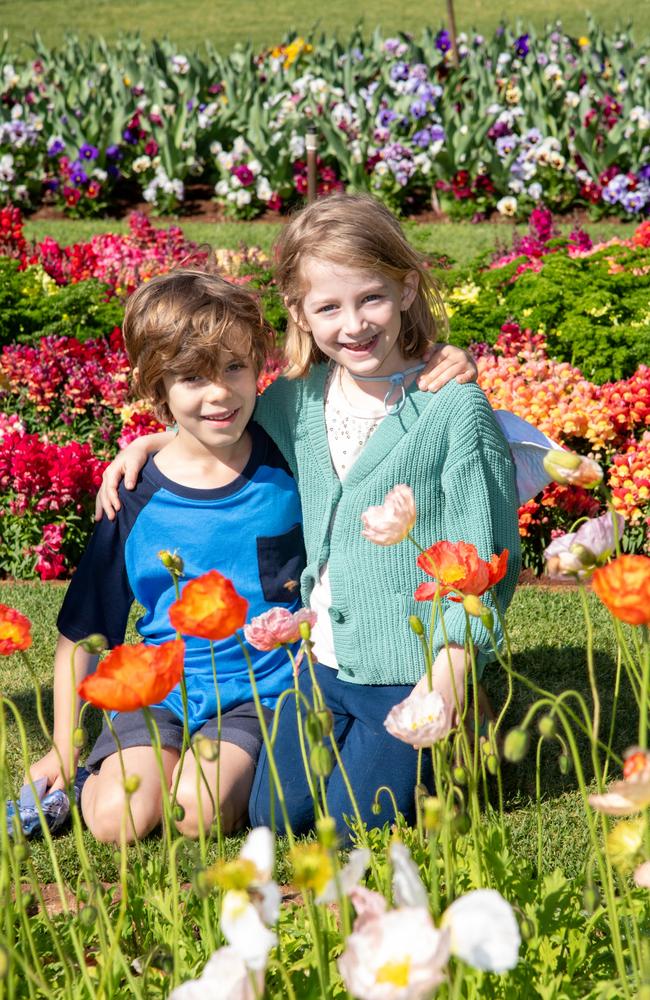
250	531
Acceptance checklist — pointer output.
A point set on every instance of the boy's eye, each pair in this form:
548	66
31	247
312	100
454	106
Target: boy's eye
235	366
191	378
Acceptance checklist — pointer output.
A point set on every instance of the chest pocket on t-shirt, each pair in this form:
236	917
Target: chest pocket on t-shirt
281	560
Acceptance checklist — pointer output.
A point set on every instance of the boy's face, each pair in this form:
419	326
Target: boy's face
214	410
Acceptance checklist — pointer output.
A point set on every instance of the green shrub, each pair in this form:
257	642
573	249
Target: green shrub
32	305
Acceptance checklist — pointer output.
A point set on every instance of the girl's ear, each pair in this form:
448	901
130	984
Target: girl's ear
409	290
296	315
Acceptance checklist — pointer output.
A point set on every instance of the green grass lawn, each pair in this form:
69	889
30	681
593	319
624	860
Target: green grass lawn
547	634
459	240
265	24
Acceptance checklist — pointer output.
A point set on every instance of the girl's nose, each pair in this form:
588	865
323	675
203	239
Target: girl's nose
354	323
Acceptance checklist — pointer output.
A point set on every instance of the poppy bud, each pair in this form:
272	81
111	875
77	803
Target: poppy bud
313	728
527	928
546	726
172	562
131	783
207	749
326	830
326	720
79	738
305	630
22	853
320	761
432	810
462	824
492	764
375	808
474	605
590	899
416	625
178	813
460	775
515	745
564	763
95	643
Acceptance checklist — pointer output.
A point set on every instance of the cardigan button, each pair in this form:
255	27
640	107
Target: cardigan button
336	615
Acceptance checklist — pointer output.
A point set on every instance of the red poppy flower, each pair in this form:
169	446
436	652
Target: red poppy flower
623	586
130	677
458	570
14	631
209	607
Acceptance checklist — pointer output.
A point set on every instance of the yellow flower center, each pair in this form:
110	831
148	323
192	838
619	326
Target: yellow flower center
395	973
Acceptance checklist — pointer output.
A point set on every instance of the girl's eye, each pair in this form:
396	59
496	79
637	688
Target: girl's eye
372	297
191	379
326	309
235	366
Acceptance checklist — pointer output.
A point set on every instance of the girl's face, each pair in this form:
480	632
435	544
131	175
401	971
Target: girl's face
355	315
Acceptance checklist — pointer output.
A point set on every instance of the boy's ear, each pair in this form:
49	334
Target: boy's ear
409	289
295	314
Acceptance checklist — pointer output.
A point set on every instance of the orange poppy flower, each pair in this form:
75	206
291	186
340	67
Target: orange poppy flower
14	631
459	571
209	607
130	677
623	586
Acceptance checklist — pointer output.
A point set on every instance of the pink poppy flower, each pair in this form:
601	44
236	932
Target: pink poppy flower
277	627
421	719
393	520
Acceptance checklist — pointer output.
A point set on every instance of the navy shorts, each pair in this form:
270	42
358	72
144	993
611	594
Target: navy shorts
239	725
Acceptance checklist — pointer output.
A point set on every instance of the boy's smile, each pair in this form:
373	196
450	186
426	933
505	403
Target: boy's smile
212	412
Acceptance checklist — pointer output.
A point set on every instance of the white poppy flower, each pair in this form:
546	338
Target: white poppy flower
349	876
407	884
225	977
243	929
484	931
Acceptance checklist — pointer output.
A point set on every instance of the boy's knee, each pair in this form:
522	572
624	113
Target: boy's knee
107	814
195	815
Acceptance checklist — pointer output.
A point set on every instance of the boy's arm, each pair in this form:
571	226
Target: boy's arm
126	464
60	762
444	362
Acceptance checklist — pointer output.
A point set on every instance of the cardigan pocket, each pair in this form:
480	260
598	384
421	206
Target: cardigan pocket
280	561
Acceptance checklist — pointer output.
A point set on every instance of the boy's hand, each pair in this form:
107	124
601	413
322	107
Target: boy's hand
444	362
49	767
451	689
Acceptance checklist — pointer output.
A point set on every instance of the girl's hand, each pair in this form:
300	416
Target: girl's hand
444	362
126	465
448	675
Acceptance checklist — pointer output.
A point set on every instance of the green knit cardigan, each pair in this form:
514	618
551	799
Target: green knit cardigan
448	448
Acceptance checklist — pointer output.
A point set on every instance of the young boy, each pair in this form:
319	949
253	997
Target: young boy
221	495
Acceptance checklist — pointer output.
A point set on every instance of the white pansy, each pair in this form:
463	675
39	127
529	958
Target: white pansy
7	172
221	188
263	189
243	197
296	146
507	206
140	164
180	65
484	931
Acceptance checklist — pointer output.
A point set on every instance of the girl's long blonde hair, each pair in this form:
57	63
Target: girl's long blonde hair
357	231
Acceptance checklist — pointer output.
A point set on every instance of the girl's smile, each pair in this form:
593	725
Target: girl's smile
355	315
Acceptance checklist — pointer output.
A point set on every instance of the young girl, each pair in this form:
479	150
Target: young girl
352	424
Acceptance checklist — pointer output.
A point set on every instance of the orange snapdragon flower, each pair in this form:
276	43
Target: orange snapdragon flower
14	631
623	586
131	677
458	570
209	608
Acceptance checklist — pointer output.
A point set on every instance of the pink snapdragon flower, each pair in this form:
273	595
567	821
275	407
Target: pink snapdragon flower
277	627
393	520
420	720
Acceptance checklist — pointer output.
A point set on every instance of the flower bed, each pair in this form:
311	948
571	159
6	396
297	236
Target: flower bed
522	118
62	376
